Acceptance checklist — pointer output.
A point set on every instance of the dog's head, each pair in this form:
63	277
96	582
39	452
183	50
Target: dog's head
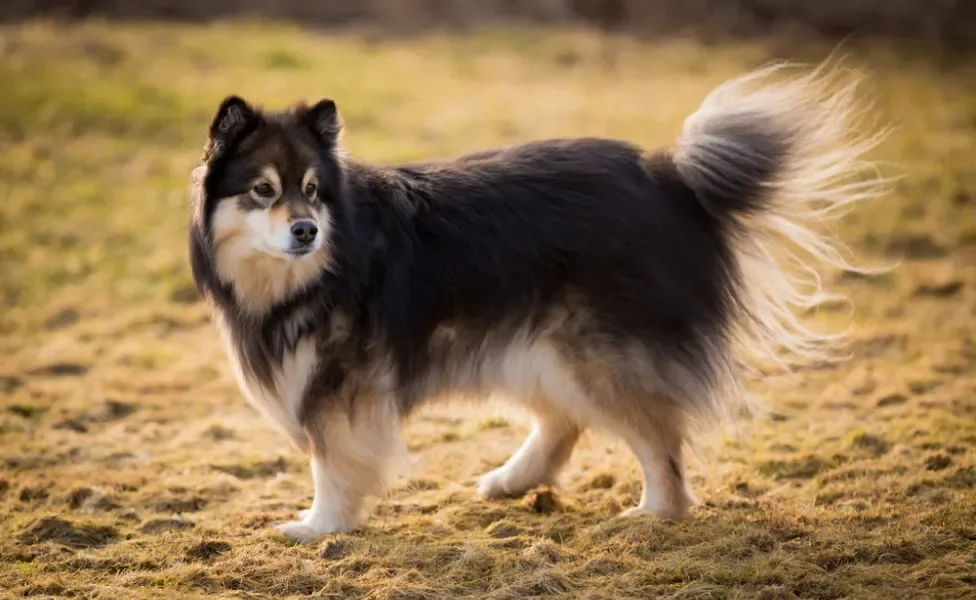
266	198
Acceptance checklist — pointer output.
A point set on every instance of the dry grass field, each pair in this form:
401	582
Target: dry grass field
130	466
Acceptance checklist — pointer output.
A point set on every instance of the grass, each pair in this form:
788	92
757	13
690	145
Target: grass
131	468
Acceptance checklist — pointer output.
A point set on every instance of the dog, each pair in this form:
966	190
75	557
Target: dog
600	284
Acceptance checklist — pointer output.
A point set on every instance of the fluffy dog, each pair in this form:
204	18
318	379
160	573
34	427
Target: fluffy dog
600	284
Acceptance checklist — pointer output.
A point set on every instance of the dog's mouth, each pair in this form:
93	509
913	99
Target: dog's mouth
299	251
295	252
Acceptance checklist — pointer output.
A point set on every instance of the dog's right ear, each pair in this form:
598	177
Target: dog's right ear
233	120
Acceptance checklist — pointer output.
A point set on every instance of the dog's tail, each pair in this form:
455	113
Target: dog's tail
773	159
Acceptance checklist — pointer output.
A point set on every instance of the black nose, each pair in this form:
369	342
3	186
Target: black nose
304	231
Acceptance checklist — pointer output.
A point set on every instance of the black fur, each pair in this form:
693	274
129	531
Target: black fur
485	241
748	177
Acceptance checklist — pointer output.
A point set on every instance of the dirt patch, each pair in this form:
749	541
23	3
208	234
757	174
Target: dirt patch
219	433
261	469
72	534
79	497
62	319
893	399
110	410
804	467
33	493
335	549
962	478
873	445
180	505
155	526
28	462
71	425
921	246
943	289
26	411
61	369
10	384
209	550
542	501
600	481
924	386
937	462
89	498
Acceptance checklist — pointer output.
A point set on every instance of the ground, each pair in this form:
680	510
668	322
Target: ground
130	467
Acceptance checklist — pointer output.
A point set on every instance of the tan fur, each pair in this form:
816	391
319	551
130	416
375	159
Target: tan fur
246	256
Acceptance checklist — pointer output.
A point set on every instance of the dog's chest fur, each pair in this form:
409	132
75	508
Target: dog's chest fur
278	398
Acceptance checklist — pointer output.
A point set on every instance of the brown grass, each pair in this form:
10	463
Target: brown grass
130	466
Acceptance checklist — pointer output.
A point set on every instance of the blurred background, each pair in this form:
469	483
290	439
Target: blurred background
943	22
130	466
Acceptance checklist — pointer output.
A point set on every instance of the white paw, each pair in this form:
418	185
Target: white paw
637	511
312	527
494	485
300	531
676	514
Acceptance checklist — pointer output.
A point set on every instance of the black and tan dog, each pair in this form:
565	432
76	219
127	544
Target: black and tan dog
600	284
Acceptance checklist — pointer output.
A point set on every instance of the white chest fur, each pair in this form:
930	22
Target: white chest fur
280	402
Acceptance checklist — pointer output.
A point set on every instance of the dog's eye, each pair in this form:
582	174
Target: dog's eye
263	189
310	190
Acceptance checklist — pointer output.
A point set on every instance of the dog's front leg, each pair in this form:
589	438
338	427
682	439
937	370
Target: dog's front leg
349	464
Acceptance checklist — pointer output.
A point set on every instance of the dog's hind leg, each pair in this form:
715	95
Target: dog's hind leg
540	458
657	444
334	508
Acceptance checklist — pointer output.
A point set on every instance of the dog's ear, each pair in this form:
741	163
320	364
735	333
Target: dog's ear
323	119
233	120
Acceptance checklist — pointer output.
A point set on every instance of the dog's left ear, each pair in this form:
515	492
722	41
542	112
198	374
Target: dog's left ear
323	119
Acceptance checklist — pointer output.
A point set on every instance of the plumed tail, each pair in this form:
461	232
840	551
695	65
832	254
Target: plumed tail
775	158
